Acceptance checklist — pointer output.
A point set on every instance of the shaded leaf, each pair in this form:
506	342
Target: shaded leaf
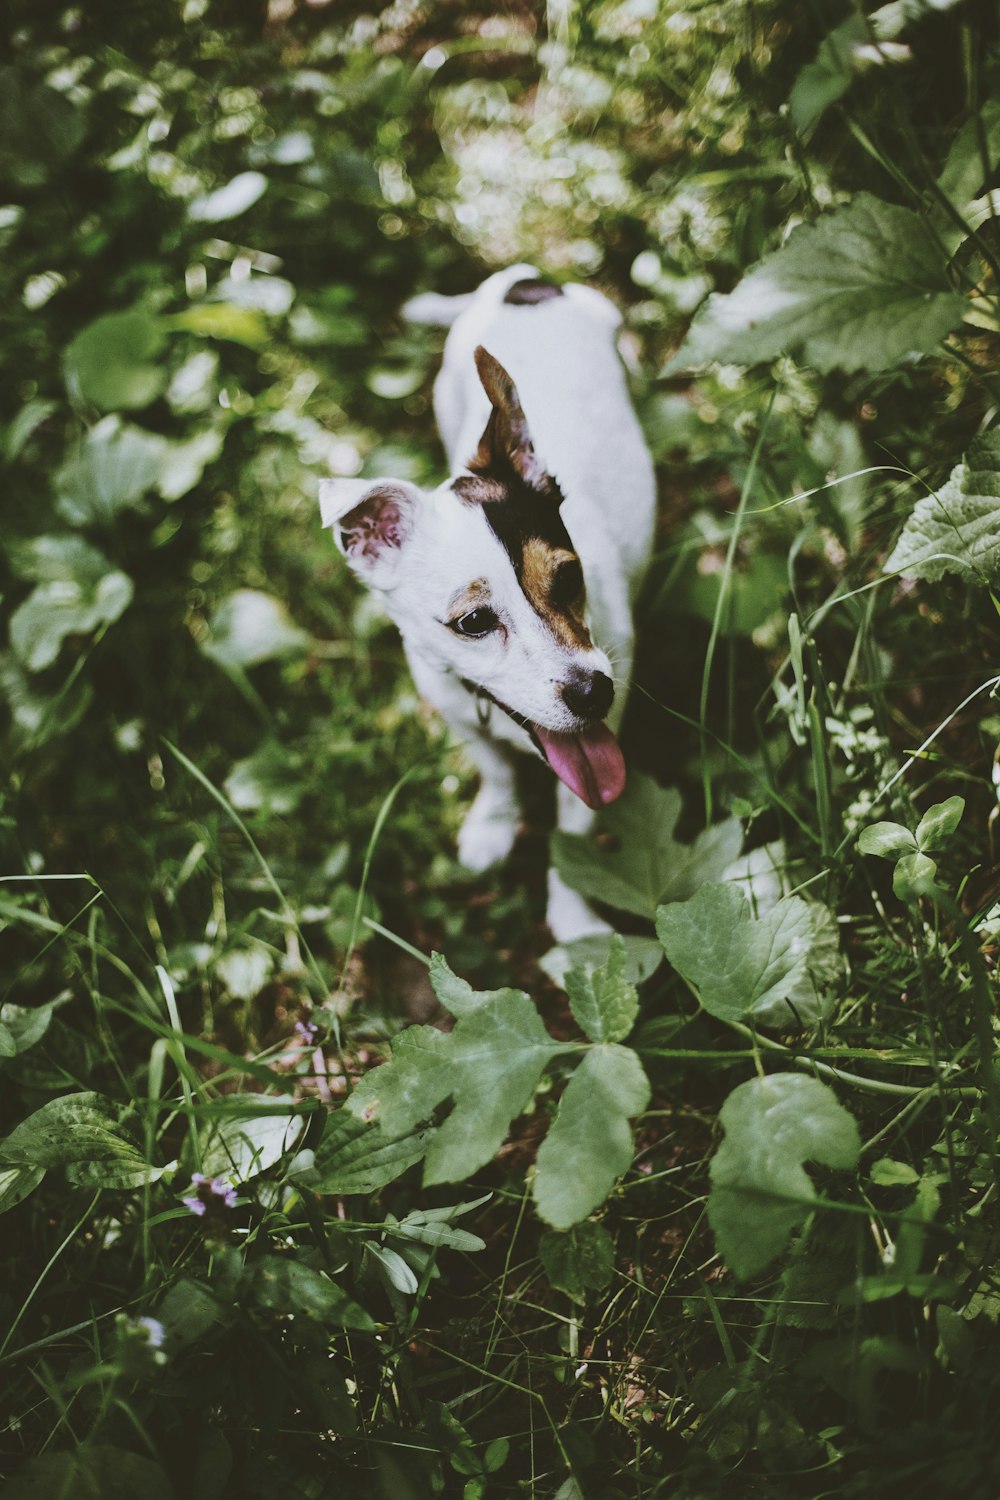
647	865
282	1284
39	129
577	1260
85	1134
823	81
760	1190
354	1157
589	1144
956	530
914	876
16	1183
113	361
94	1471
861	289
27	1024
972	157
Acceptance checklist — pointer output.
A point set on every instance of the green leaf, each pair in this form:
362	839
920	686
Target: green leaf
94	1471
84	1133
27	1024
249	1138
830	74
914	876
31	416
16	1183
431	1227
589	1144
760	1190
284	1285
577	1260
888	1173
224	320
250	627
645	865
116	465
39	128
957	529
457	995
603	1002
888	840
740	965
8	1046
939	823
968	168
861	289
489	1066
114	362
78	592
354	1157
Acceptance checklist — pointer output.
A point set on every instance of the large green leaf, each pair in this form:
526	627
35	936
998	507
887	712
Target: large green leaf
113	361
78	591
489	1066
589	1144
740	965
760	1190
644	865
972	156
861	289
957	529
84	1133
94	1471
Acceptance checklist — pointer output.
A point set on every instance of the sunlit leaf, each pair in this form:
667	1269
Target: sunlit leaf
354	1157
249	628
229	201
861	289
741	965
78	591
603	1002
116	465
239	1145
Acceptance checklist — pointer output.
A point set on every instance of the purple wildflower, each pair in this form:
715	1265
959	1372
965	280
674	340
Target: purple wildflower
307	1030
213	1193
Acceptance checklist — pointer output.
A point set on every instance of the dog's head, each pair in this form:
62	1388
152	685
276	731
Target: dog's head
482	579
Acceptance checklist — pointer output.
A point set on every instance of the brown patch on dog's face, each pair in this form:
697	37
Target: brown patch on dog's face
552	581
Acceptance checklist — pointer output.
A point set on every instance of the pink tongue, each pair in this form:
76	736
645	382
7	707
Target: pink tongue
590	763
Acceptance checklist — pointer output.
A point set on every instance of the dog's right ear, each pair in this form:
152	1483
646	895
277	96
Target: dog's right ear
371	521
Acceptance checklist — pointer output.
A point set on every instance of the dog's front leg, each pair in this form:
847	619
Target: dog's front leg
490	827
568	915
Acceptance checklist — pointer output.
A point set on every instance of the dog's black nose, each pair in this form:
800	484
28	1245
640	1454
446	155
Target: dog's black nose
589	695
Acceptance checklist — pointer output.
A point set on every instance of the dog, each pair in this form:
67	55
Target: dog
512	583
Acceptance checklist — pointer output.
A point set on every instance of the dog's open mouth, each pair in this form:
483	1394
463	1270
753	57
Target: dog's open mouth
589	762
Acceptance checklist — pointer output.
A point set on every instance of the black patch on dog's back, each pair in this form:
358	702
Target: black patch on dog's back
531	291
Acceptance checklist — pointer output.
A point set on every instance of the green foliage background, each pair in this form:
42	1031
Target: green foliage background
227	827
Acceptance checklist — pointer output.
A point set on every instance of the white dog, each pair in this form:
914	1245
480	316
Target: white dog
512	583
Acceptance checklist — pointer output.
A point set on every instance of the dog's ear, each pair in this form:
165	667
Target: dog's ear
371	520
506	443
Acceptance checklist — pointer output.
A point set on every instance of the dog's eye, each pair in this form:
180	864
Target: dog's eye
476	622
567	585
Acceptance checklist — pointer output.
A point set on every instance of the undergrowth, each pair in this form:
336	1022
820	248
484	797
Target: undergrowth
322	1172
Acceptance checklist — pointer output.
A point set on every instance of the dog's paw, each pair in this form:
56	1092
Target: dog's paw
486	837
568	916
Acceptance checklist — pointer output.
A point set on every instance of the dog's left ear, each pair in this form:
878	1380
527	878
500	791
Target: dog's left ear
371	520
506	441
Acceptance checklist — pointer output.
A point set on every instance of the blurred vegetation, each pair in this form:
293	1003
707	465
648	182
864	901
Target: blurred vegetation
227	828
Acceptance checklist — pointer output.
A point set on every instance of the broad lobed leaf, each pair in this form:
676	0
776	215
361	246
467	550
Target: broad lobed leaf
956	529
760	1190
